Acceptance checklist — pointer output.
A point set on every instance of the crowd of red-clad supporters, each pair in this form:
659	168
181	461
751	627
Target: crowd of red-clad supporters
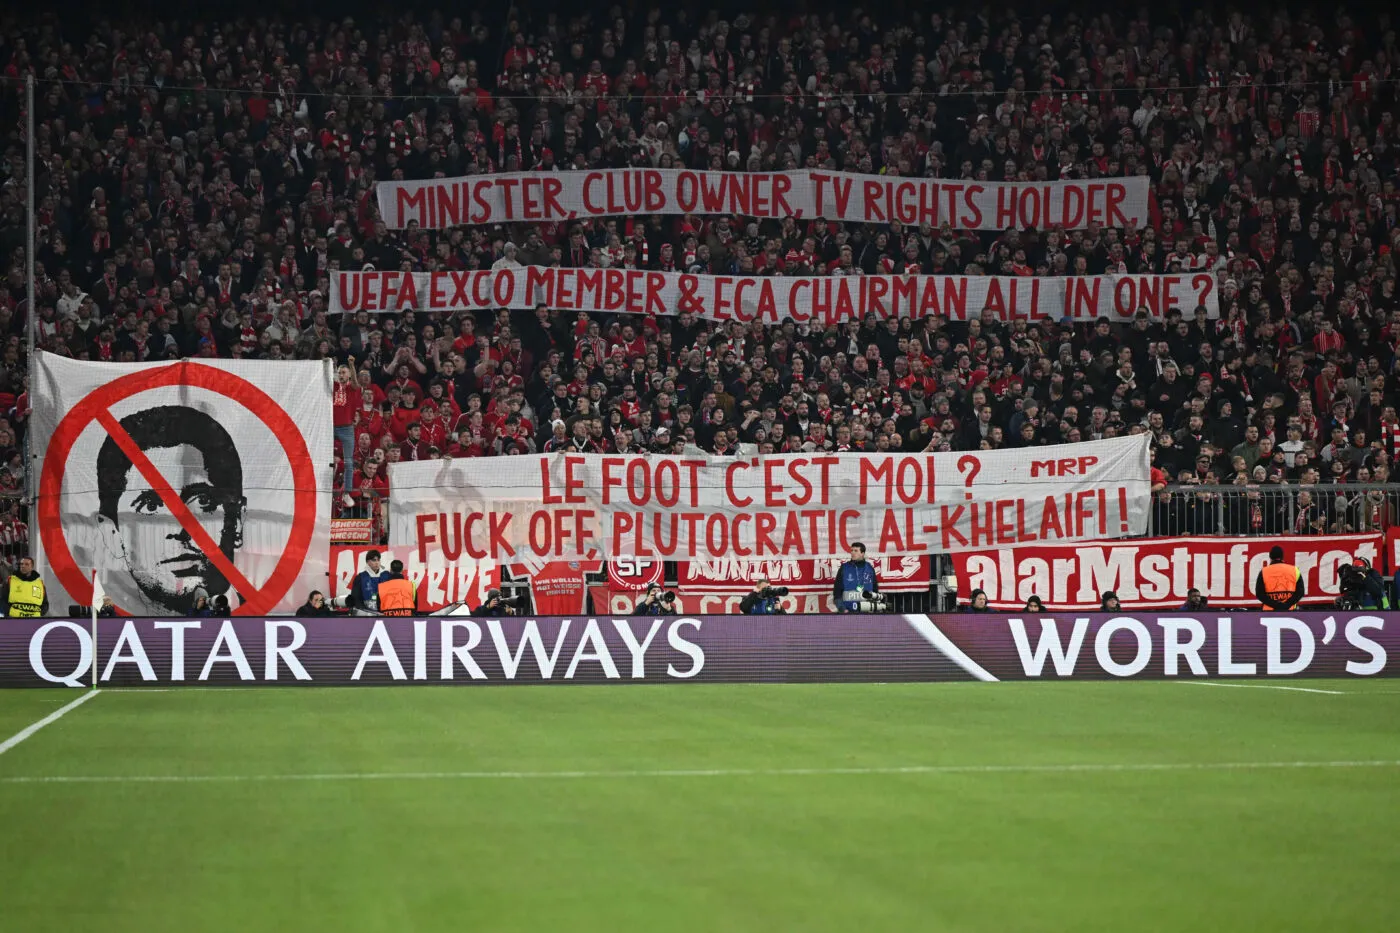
197	184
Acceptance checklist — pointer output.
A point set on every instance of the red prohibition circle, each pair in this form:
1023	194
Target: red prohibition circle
198	376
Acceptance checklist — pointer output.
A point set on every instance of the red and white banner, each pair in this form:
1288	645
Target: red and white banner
566	506
352	530
439	582
1154	573
906	573
543	197
183	481
819	299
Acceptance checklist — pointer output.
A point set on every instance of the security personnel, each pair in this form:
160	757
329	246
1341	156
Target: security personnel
24	595
1280	584
397	596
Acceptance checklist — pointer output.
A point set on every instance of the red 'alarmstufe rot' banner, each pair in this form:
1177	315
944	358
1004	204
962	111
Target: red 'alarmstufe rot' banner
566	506
818	299
1154	573
540	197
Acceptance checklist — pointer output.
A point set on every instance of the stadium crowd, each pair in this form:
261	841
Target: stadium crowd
197	184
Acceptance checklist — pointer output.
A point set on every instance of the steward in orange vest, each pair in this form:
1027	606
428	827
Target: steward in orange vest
396	595
1280	585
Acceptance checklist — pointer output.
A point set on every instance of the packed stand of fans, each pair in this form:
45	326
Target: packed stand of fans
196	186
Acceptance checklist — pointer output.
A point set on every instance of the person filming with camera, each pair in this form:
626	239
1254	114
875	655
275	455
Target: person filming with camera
1360	587
762	600
496	605
657	602
856	587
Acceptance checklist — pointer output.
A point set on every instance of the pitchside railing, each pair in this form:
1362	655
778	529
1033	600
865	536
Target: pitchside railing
1268	509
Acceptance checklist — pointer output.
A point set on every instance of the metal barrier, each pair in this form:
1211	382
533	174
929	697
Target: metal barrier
1274	509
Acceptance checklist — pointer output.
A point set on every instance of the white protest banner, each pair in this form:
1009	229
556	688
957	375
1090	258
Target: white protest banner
566	506
1154	573
819	299
570	195
176	480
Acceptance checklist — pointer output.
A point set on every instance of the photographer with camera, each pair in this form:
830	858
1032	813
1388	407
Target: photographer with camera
497	605
656	602
762	600
856	586
1360	587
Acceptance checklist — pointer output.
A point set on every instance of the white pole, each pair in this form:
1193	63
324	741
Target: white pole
30	484
93	607
31	312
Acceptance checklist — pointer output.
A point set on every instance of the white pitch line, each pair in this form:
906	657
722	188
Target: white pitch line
1091	767
1210	683
56	715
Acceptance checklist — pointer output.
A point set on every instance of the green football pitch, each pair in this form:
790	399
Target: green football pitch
935	807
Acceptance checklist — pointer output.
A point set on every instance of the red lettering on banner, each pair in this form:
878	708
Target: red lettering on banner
408	295
448	201
890	540
553	188
763	533
687	191
654	302
693	468
590	202
1204	284
389	288
371	299
460	281
508	197
782	184
507	186
349	297
1082	298
610	479
424	539
1115	193
874	212
772	489
1050	526
573	482
972	219
410	206
729	489
827	300
948	521
1154	573
1071	207
842	188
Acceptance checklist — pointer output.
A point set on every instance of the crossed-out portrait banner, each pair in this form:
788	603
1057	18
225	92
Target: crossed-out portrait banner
179	480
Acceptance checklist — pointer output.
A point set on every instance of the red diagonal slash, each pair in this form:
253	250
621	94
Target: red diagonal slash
175	504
